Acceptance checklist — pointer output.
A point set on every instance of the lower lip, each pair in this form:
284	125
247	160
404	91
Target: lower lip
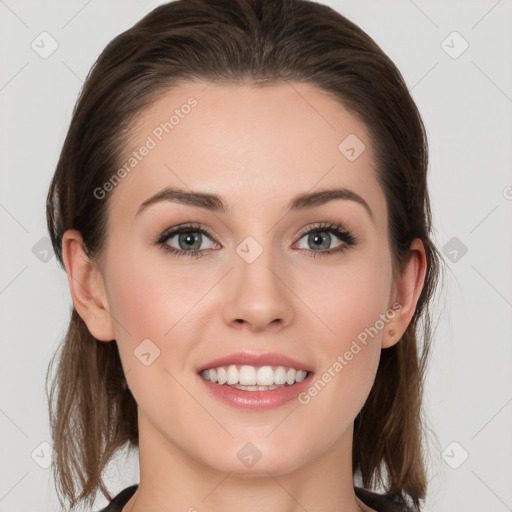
257	400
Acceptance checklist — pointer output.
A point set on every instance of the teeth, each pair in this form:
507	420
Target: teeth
256	388
280	375
253	377
247	376
221	375
232	375
264	375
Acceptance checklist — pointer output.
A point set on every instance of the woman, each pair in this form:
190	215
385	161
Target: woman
242	211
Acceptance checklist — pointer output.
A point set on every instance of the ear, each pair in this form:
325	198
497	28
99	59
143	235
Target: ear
87	287
405	294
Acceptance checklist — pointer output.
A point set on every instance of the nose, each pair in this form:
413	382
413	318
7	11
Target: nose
257	295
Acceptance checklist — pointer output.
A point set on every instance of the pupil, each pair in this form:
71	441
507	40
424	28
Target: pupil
188	239
318	238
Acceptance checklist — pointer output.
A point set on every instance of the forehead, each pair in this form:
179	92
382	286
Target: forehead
251	144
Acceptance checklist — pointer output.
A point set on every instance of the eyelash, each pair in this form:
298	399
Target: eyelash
348	239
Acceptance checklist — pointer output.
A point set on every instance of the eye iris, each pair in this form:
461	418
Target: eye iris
191	240
315	237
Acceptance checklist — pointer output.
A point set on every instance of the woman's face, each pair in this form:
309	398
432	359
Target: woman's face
269	273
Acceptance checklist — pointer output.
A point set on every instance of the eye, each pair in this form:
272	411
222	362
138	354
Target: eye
189	238
319	237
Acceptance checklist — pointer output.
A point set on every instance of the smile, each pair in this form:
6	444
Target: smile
256	388
254	378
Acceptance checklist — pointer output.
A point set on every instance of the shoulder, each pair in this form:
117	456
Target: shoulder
119	501
380	502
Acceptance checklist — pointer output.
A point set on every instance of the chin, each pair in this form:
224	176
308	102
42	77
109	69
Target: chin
253	458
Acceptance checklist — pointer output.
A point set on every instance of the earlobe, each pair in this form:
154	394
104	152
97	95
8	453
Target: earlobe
86	287
406	294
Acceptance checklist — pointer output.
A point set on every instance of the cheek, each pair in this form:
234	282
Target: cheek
351	306
150	303
147	300
351	298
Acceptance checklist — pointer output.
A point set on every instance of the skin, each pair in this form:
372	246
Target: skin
257	148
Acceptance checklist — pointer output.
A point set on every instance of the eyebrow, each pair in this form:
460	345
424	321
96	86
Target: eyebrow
215	203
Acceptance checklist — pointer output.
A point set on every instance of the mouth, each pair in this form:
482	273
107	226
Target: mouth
255	381
254	378
255	388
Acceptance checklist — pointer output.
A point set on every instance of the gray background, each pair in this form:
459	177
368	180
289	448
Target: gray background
466	102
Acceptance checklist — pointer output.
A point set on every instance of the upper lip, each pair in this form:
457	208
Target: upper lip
254	359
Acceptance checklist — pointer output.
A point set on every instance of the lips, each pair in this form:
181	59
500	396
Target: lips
255	359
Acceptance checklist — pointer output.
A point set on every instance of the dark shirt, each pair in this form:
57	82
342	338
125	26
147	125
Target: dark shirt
379	502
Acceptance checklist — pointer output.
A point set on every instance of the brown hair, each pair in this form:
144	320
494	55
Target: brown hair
260	42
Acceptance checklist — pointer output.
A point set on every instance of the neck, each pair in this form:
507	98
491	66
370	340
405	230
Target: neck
172	481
